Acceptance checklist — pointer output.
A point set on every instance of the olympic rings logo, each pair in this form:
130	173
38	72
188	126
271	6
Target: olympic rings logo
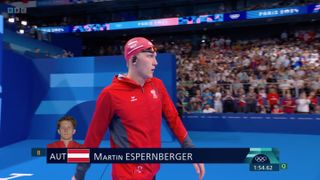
260	159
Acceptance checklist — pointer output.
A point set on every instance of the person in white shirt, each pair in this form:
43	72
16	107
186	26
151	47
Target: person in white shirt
208	109
303	103
217	101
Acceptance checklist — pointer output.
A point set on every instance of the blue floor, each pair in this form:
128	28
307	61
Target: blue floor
300	152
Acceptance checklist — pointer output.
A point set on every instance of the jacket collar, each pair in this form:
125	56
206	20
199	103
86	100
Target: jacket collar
122	78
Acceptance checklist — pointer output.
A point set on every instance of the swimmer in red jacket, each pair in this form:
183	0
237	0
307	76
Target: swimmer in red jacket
131	108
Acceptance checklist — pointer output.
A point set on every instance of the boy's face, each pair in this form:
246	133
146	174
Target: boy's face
146	64
66	130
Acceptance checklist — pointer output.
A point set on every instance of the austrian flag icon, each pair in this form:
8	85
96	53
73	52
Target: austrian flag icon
78	156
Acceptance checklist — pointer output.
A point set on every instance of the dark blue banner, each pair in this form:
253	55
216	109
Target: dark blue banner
315	8
277	12
61	2
56	29
160	155
235	16
187	20
169	155
148	155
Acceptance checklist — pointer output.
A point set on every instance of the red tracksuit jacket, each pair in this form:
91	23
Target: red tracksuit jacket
133	115
60	144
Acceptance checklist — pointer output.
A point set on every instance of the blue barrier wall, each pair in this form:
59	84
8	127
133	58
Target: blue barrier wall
273	123
1	62
71	86
38	92
17	80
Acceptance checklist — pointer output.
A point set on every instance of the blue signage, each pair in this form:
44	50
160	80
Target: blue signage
90	28
211	18
277	12
61	2
187	20
56	29
315	8
235	16
144	23
123	25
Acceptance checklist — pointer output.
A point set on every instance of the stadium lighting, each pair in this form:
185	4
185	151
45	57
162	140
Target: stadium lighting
11	20
24	23
21	31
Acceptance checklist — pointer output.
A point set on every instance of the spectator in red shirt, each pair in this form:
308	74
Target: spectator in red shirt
289	104
314	101
66	128
272	98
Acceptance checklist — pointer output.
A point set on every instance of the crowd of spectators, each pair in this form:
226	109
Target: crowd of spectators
278	75
275	75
